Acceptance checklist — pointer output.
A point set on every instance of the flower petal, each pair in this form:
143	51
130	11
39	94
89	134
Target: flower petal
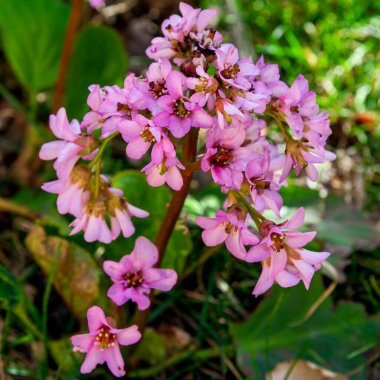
114	360
127	336
160	279
93	358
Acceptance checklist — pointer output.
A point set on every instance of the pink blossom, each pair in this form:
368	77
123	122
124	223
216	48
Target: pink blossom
232	71
93	218
134	276
264	191
267	81
225	157
285	261
101	344
298	104
140	133
93	119
93	223
165	172
120	104
230	228
121	213
180	114
205	87
71	146
303	155
73	194
97	3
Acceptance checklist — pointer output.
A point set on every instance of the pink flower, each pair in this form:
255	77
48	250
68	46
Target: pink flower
121	213
267	81
264	191
180	114
205	86
165	172
225	157
230	228
92	220
121	104
134	276
73	194
232	71
284	259
298	104
71	146
301	155
93	223
93	119
97	3
101	344
140	133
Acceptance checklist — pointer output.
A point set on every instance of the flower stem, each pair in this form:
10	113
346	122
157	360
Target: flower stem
256	216
72	27
172	214
103	146
97	161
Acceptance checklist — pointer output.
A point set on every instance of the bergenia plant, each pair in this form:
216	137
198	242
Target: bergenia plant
197	85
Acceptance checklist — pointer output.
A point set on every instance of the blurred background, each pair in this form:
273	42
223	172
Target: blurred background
209	327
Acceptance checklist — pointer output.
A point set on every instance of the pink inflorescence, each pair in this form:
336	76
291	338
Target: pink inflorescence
196	82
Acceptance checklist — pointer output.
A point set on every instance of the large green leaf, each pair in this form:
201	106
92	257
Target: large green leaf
274	333
33	32
98	57
9	290
155	201
345	226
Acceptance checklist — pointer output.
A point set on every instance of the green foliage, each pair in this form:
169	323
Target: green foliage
33	32
276	332
9	291
154	200
98	57
152	348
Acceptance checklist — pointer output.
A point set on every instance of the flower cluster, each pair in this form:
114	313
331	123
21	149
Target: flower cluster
196	81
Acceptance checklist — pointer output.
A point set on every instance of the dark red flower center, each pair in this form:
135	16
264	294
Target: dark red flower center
278	241
123	108
105	339
223	157
157	88
230	72
146	134
260	183
134	279
180	109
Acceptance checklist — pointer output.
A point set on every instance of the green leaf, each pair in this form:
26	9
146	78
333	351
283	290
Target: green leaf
77	275
345	226
33	32
98	57
9	290
274	333
179	247
155	201
152	349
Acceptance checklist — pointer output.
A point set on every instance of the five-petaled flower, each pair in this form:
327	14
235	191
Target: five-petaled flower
101	344
134	276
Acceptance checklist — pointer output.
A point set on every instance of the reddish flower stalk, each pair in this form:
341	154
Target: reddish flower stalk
172	214
72	28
